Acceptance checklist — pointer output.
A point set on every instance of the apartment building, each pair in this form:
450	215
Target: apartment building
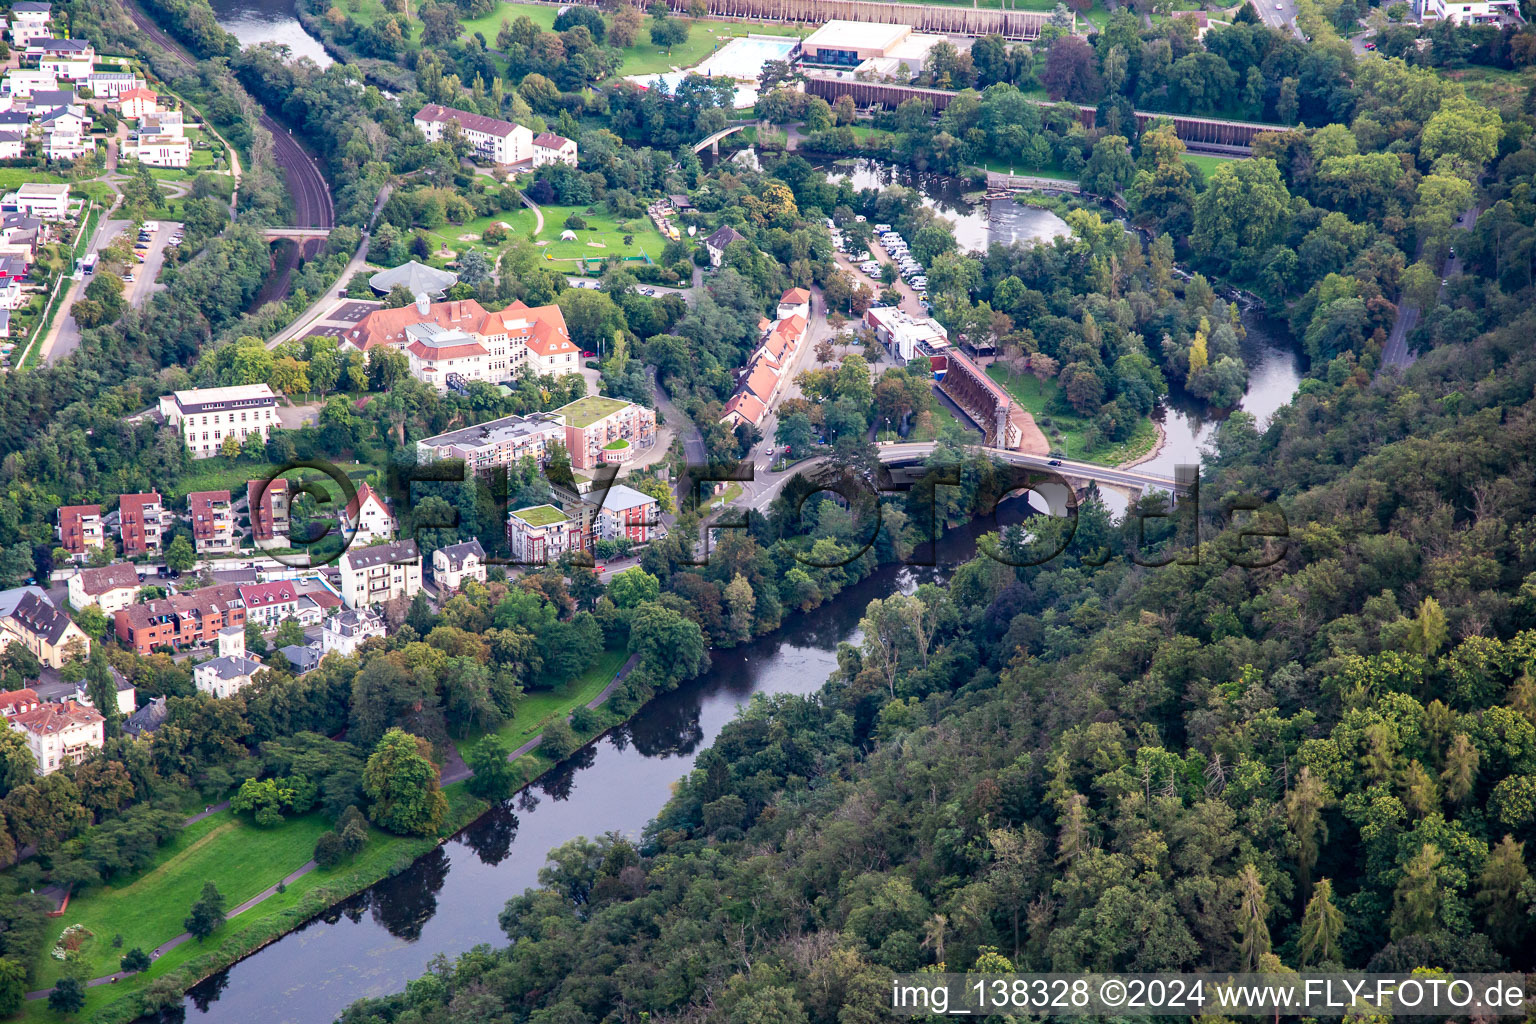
268	501
205	417
501	442
181	620
380	573
81	529
454	564
60	733
549	148
500	142
1475	12
599	430
628	514
110	587
141	520
213	522
540	534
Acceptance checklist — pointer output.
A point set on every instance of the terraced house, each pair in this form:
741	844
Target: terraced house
181	620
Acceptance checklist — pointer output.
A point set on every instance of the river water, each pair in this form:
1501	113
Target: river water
269	21
448	901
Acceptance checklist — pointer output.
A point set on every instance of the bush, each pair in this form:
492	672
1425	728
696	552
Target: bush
560	740
330	850
586	720
575	222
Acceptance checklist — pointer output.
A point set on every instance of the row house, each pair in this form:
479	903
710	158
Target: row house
109	587
213	521
383	572
268	501
81	529
141	519
181	620
768	367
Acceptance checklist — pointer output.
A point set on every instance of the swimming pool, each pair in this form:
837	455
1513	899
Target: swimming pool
743	57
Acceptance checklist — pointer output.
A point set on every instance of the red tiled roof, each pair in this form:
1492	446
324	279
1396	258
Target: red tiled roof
549	140
72	534
117	576
363	496
50	718
260	595
13	702
434	112
794	297
747	406
761	380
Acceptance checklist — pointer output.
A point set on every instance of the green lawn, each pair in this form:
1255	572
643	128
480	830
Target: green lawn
12	178
539	707
1206	163
1049	171
234	478
520	220
602	229
1063	426
241	860
644	58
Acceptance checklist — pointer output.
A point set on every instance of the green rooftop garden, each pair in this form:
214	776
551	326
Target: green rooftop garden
616	445
586	411
540	515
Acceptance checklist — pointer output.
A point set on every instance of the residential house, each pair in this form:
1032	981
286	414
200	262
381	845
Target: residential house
11	295
181	620
500	142
160	150
380	573
367	516
454	564
268	604
138	103
14	702
231	671
28	617
600	429
29	22
206	417
60	733
13	145
69	59
344	632
147	719
796	301
164	122
549	148
301	659
81	529
110	587
213	522
905	335
35	199
540	534
5	323
716	243
268	501
110	85
23	82
140	521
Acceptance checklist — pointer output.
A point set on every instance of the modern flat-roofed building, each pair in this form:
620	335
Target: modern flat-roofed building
140	520
205	417
500	142
29	21
380	573
35	199
540	534
850	43
81	529
906	335
110	587
501	442
600	429
1469	12
213	521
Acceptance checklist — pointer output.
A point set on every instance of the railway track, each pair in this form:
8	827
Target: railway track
312	204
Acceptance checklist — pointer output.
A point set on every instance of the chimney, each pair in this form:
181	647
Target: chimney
423	304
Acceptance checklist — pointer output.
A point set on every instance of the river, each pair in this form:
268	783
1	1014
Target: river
447	902
269	21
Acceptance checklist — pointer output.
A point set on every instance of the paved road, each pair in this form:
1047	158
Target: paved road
1396	352
1279	14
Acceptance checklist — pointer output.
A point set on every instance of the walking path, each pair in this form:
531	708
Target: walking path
454	770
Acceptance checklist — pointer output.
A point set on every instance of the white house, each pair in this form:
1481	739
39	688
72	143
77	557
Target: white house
369	516
160	151
13	145
65	144
1472	12
549	148
29	21
344	632
500	142
58	733
268	604
380	573
454	564
717	242
50	202
23	82
232	671
795	301
540	534
110	85
206	416
109	588
137	103
11	296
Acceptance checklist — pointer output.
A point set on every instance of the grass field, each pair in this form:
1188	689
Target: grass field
539	707
644	58
603	229
234	478
12	178
1066	428
1206	163
241	860
520	220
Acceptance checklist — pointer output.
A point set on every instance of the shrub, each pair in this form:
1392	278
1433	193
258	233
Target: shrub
560	740
330	850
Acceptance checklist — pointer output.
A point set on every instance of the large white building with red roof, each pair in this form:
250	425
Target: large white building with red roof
549	148
461	337
58	733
